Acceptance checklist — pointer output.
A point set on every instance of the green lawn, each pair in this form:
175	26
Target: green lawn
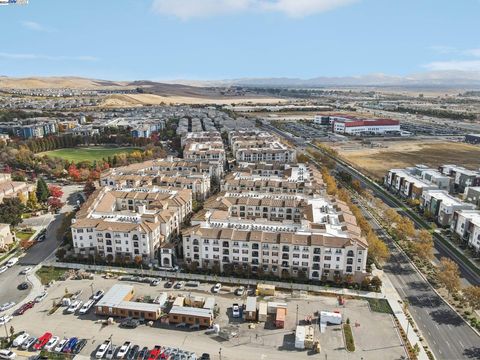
24	235
88	154
47	274
380	305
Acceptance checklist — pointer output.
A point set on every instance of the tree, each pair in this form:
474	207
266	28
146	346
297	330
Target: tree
32	201
55	191
471	295
449	275
423	245
11	211
22	198
357	186
377	249
376	283
89	188
42	190
405	229
55	203
73	172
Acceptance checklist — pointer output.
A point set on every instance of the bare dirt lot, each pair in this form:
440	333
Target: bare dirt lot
399	154
263	341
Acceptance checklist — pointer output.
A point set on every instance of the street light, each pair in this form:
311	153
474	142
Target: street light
220	353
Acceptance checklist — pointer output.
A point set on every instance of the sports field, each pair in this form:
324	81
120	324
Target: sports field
87	154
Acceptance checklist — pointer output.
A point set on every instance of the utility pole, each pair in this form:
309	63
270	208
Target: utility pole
296	320
220	353
91	287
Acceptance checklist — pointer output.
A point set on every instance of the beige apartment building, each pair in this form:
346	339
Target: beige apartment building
12	189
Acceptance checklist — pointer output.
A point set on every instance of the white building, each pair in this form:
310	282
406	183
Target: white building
442	205
466	224
349	126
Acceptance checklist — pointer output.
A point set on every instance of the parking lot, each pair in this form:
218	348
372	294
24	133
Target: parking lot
262	341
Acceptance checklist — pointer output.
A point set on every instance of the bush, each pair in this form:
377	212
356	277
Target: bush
347	331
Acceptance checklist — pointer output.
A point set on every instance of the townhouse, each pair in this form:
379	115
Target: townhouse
279	178
285	235
461	177
131	223
472	195
13	189
401	182
442	206
466	224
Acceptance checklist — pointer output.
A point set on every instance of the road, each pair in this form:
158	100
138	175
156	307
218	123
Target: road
9	280
40	251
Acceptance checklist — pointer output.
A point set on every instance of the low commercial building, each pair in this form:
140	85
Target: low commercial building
466	224
190	316
442	206
354	126
117	302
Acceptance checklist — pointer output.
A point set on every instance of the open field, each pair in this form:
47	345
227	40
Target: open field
399	154
87	154
151	99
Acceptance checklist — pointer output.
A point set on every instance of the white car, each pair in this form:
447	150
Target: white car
240	291
29	342
11	262
7	306
51	343
102	349
3	269
110	352
86	307
61	345
7	354
98	295
217	288
40	297
5	319
74	306
20	339
26	270
235	311
123	350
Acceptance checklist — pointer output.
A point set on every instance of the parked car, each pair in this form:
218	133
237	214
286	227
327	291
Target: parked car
7	306
154	282
180	285
42	341
74	307
143	354
60	345
5	319
41	297
21	310
98	295
133	352
20	339
130	323
102	349
205	356
11	262
23	286
7	354
154	354
240	291
28	343
235	311
192	284
3	269
79	346
26	270
51	343
110	352
123	350
169	284
68	348
216	288
86	307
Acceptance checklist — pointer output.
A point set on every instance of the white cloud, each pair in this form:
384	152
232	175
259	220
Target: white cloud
35	26
443	49
455	65
473	52
20	56
187	9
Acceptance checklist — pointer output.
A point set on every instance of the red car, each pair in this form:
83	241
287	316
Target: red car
155	353
24	307
42	341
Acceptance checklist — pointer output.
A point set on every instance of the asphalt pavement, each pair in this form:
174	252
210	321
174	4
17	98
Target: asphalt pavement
9	280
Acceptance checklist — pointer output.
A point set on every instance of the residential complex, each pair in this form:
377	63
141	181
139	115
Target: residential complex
133	223
442	206
461	177
12	189
285	235
466	224
472	195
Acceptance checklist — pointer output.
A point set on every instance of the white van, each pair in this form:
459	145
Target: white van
11	262
7	354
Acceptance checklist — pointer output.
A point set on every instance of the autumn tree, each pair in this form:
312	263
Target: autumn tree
449	275
32	201
55	203
89	188
422	245
471	295
405	229
55	191
22	198
73	172
377	249
357	186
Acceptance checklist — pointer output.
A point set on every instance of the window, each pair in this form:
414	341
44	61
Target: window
327	258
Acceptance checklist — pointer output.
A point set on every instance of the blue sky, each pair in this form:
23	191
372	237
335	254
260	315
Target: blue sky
226	39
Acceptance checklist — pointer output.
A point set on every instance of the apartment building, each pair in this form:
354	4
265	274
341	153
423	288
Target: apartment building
442	206
461	176
280	234
472	195
150	173
131	223
201	137
402	182
30	128
12	189
466	224
278	178
204	151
